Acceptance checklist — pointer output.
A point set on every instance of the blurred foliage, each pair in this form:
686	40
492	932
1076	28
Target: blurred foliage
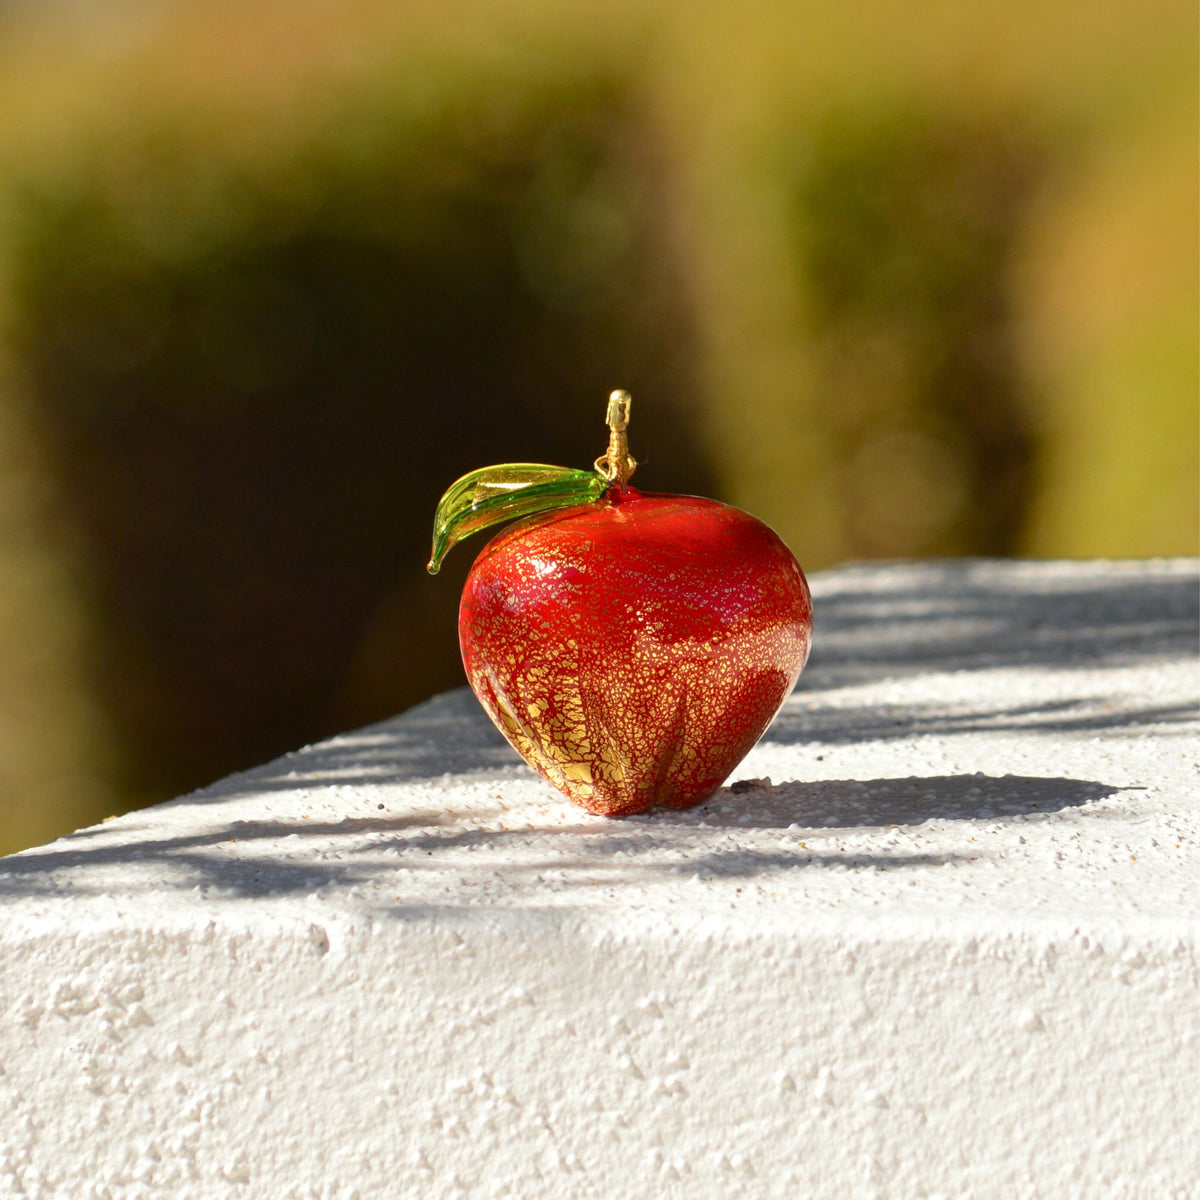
273	275
907	224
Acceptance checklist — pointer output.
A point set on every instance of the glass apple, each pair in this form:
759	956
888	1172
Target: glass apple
631	647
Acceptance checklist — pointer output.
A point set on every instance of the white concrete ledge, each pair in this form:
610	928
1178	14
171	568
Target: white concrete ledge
949	947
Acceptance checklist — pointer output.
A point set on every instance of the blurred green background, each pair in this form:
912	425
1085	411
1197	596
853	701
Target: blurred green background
901	279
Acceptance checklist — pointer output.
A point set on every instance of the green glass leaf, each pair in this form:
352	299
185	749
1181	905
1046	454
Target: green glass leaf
494	494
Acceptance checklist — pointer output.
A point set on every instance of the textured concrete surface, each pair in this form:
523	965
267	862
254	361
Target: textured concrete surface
939	938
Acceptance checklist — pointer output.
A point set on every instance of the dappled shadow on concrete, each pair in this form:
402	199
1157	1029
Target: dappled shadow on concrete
966	615
871	624
848	724
448	736
258	858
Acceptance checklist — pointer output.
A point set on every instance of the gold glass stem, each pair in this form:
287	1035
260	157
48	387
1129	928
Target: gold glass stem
618	465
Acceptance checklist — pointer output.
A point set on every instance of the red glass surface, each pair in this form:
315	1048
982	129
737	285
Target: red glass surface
634	649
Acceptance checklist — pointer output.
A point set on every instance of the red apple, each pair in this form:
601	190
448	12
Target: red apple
633	648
